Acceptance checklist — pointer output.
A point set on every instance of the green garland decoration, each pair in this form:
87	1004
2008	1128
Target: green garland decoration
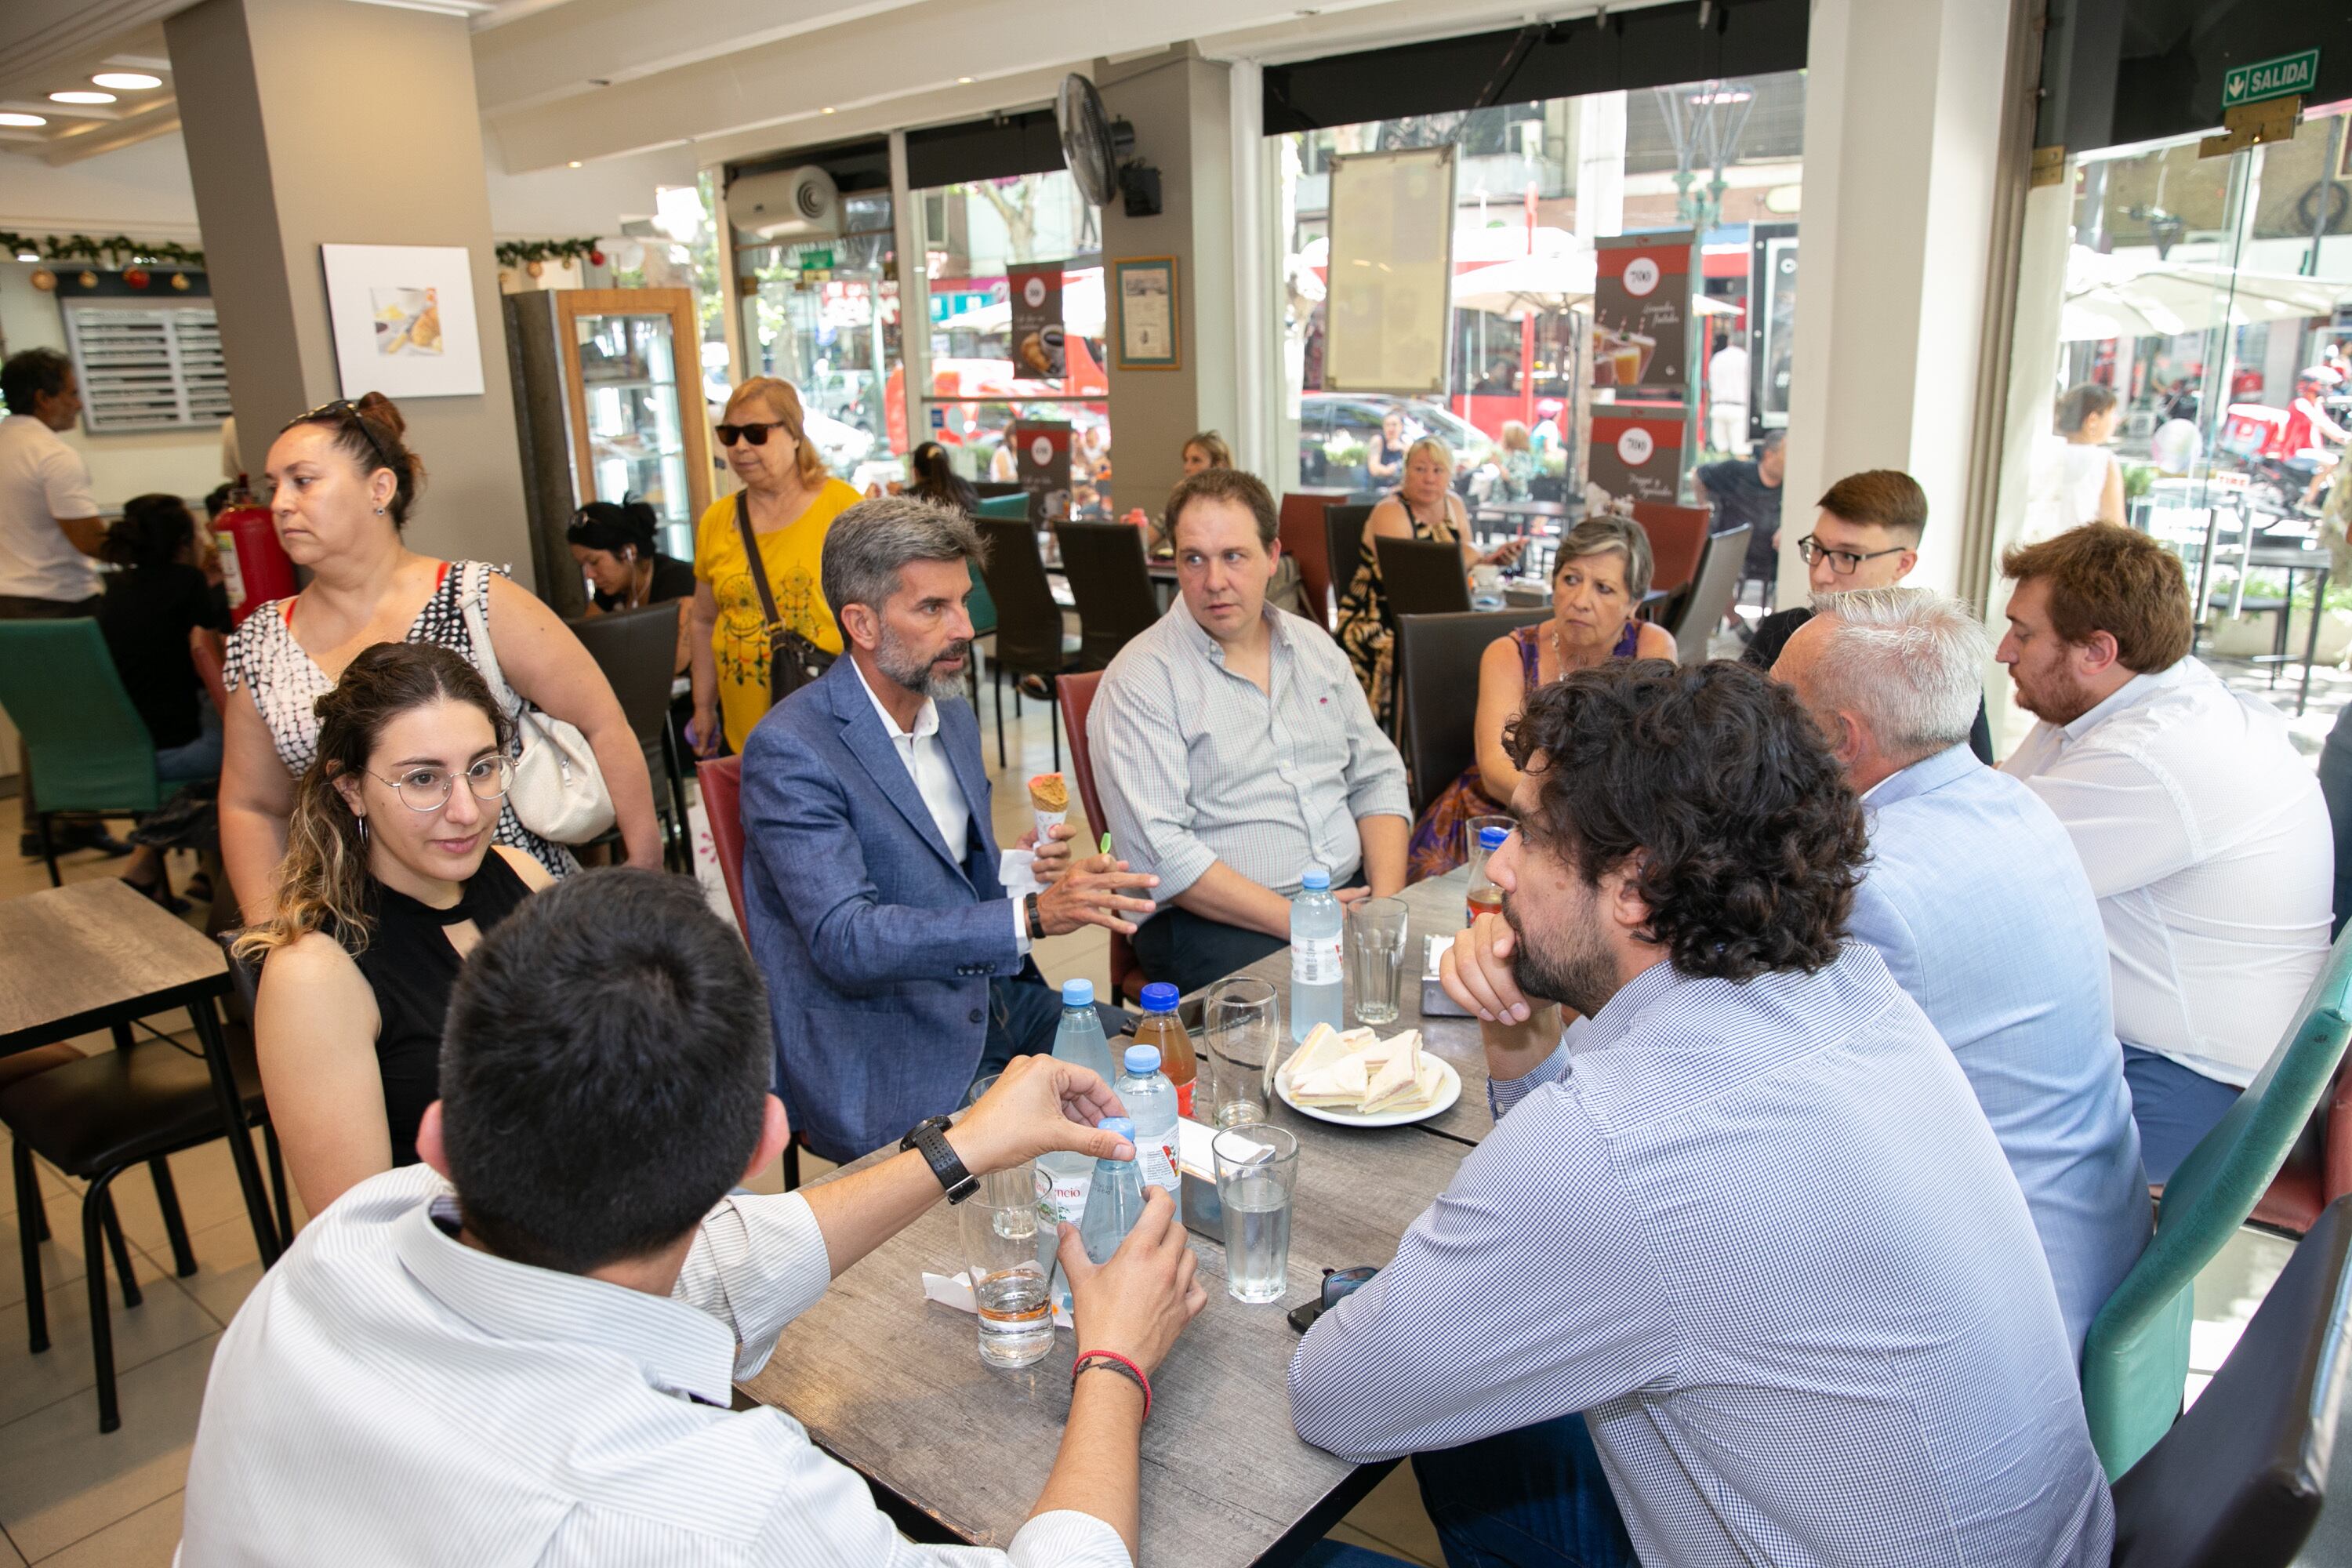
520	252
112	251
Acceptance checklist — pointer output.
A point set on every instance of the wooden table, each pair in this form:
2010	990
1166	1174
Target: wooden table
98	954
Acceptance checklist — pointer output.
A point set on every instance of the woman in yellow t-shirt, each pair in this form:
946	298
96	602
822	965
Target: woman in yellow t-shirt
793	503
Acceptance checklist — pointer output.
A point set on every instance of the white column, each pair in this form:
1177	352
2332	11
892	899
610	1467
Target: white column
1600	164
906	238
1901	130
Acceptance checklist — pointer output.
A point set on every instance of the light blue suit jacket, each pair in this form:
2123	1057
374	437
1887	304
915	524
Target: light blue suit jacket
878	947
1976	899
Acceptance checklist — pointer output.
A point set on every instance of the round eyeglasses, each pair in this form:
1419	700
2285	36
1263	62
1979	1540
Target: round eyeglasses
427	789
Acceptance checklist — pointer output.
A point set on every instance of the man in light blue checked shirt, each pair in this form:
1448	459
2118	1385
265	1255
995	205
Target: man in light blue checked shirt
1743	1214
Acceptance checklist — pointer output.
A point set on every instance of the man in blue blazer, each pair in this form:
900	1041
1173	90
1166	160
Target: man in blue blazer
896	956
1976	898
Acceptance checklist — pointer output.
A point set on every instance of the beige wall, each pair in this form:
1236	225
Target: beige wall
310	123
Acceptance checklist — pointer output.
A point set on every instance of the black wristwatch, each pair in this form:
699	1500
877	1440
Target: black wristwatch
930	1137
1036	920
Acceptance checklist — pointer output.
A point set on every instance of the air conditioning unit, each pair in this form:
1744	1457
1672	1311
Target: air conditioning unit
784	206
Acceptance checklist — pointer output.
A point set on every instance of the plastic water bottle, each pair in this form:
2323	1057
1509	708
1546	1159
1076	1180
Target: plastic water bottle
1485	898
1317	969
1114	1199
1151	1102
1062	1195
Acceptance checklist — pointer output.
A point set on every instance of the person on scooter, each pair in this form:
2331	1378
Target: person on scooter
2309	432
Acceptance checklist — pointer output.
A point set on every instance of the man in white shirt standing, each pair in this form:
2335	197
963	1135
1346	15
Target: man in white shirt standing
49	526
521	1350
2204	833
1727	399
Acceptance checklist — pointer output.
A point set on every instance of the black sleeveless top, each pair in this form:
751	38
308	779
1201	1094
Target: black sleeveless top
411	967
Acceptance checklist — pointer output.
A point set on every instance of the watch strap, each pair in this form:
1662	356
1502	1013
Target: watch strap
1036	920
929	1138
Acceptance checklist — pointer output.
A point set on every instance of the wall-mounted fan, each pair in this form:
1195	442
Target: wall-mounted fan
1096	148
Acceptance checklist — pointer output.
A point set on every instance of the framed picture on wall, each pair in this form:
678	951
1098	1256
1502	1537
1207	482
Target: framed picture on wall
1148	323
403	317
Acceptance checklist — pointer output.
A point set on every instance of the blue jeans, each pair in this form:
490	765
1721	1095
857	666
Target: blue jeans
2174	1108
1536	1498
200	758
1023	1014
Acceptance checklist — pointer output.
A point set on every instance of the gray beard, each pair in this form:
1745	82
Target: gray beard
893	658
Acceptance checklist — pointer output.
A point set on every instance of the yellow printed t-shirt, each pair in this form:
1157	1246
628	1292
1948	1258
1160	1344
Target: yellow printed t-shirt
793	555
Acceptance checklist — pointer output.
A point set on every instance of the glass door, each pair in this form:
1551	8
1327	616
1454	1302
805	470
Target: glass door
631	439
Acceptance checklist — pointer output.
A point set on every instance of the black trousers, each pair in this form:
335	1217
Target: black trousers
1190	951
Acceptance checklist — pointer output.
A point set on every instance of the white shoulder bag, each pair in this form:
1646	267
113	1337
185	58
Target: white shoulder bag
558	792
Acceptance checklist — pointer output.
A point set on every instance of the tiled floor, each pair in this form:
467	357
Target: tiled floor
74	1499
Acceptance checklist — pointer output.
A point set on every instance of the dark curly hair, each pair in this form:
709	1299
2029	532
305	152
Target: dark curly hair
1750	841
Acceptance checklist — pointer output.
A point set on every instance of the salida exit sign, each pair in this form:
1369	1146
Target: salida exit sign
2285	77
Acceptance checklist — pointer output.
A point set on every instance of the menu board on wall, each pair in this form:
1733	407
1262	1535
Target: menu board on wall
1639	453
1389	302
1041	457
1771	323
1641	312
1037	301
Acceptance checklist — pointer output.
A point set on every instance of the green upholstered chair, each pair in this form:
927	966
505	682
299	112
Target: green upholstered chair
1014	507
2136	1361
89	750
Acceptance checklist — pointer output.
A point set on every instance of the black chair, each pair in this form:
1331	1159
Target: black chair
1697	611
637	650
989	489
1423	577
1029	636
94	1119
2239	1480
1437	680
1111	584
1343	543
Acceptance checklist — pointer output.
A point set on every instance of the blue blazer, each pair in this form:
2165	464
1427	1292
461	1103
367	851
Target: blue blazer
876	947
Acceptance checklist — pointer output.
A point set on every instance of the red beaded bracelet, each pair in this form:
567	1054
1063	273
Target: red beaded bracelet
1118	1363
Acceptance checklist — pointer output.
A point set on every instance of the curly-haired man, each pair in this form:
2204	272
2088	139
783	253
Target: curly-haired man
1741	1245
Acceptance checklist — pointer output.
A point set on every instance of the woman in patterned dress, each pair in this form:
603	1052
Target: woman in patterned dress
1422	506
1603	573
344	483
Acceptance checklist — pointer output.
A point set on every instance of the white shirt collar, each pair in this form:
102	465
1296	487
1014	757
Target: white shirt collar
2140	689
1277	634
927	720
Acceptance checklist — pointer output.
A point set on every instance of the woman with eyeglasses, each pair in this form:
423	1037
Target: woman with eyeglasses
343	485
787	505
390	879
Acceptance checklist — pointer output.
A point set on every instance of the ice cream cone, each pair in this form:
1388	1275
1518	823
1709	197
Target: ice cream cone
1049	801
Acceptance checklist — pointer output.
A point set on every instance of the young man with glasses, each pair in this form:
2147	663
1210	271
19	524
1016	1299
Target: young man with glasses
1865	536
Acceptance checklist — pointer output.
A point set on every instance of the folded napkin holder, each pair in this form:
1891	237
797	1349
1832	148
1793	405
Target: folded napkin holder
1434	1002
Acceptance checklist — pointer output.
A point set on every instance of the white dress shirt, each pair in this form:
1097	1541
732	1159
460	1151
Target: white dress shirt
389	1394
927	763
42	480
2207	844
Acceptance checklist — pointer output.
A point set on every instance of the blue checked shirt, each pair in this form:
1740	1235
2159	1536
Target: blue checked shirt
1762	1235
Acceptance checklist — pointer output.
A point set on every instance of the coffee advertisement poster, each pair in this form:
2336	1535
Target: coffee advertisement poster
1638	454
1036	298
1041	457
1641	312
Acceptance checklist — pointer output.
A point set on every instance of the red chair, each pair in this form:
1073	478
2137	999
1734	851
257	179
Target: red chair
722	804
1077	695
1678	541
2318	1169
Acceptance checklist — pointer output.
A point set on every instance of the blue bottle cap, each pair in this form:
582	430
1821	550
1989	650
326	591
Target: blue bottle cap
1159	998
1492	837
1315	878
1078	993
1119	1126
1141	1059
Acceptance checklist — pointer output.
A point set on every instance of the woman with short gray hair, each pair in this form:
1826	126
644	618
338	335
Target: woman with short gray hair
1602	575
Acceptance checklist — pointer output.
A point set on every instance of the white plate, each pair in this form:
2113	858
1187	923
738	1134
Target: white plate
1447	1093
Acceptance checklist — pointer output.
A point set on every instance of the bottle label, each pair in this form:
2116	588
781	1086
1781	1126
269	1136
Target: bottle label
1155	1162
1314	961
1184	1098
1064	1199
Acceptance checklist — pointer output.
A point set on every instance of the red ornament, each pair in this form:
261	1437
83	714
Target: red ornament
137	278
596	258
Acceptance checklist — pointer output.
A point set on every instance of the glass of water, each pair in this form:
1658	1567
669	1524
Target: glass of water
998	1223
1242	1020
1376	933
1471	828
1258	1172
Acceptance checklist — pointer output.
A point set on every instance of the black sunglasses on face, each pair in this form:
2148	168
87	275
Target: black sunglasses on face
757	434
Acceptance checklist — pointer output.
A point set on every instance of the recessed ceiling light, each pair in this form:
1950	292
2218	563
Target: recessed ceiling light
575	163
827	109
12	118
82	97
127	82
964	80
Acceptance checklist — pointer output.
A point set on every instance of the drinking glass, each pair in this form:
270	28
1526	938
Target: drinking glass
998	1223
1376	936
1257	1173
1242	1020
980	1086
1470	832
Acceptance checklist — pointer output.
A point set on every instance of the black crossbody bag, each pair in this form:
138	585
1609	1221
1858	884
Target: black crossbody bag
794	661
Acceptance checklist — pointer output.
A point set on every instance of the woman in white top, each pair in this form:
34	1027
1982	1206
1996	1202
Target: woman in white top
2091	482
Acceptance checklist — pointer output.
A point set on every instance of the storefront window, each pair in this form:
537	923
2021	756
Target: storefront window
824	317
982	381
1536	184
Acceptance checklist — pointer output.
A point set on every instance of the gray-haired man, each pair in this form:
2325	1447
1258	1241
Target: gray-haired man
896	961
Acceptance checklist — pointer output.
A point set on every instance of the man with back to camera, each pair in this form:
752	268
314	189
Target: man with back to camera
1234	749
1798	1332
49	537
1865	536
873	889
2204	833
1976	901
522	1350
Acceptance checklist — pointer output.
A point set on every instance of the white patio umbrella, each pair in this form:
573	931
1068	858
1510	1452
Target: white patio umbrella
2120	296
1527	285
1082	309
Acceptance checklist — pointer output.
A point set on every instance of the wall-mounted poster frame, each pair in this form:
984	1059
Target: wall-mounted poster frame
1388	311
1771	325
1150	318
403	317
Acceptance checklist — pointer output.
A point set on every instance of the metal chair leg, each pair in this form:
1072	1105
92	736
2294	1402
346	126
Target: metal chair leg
792	1165
1053	716
167	1198
997	678
96	1214
49	848
232	1124
29	1225
278	1180
131	1295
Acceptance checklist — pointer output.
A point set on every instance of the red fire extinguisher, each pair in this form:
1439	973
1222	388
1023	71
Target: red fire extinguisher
253	565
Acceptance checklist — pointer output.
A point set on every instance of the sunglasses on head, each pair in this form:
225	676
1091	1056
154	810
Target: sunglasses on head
757	433
342	410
